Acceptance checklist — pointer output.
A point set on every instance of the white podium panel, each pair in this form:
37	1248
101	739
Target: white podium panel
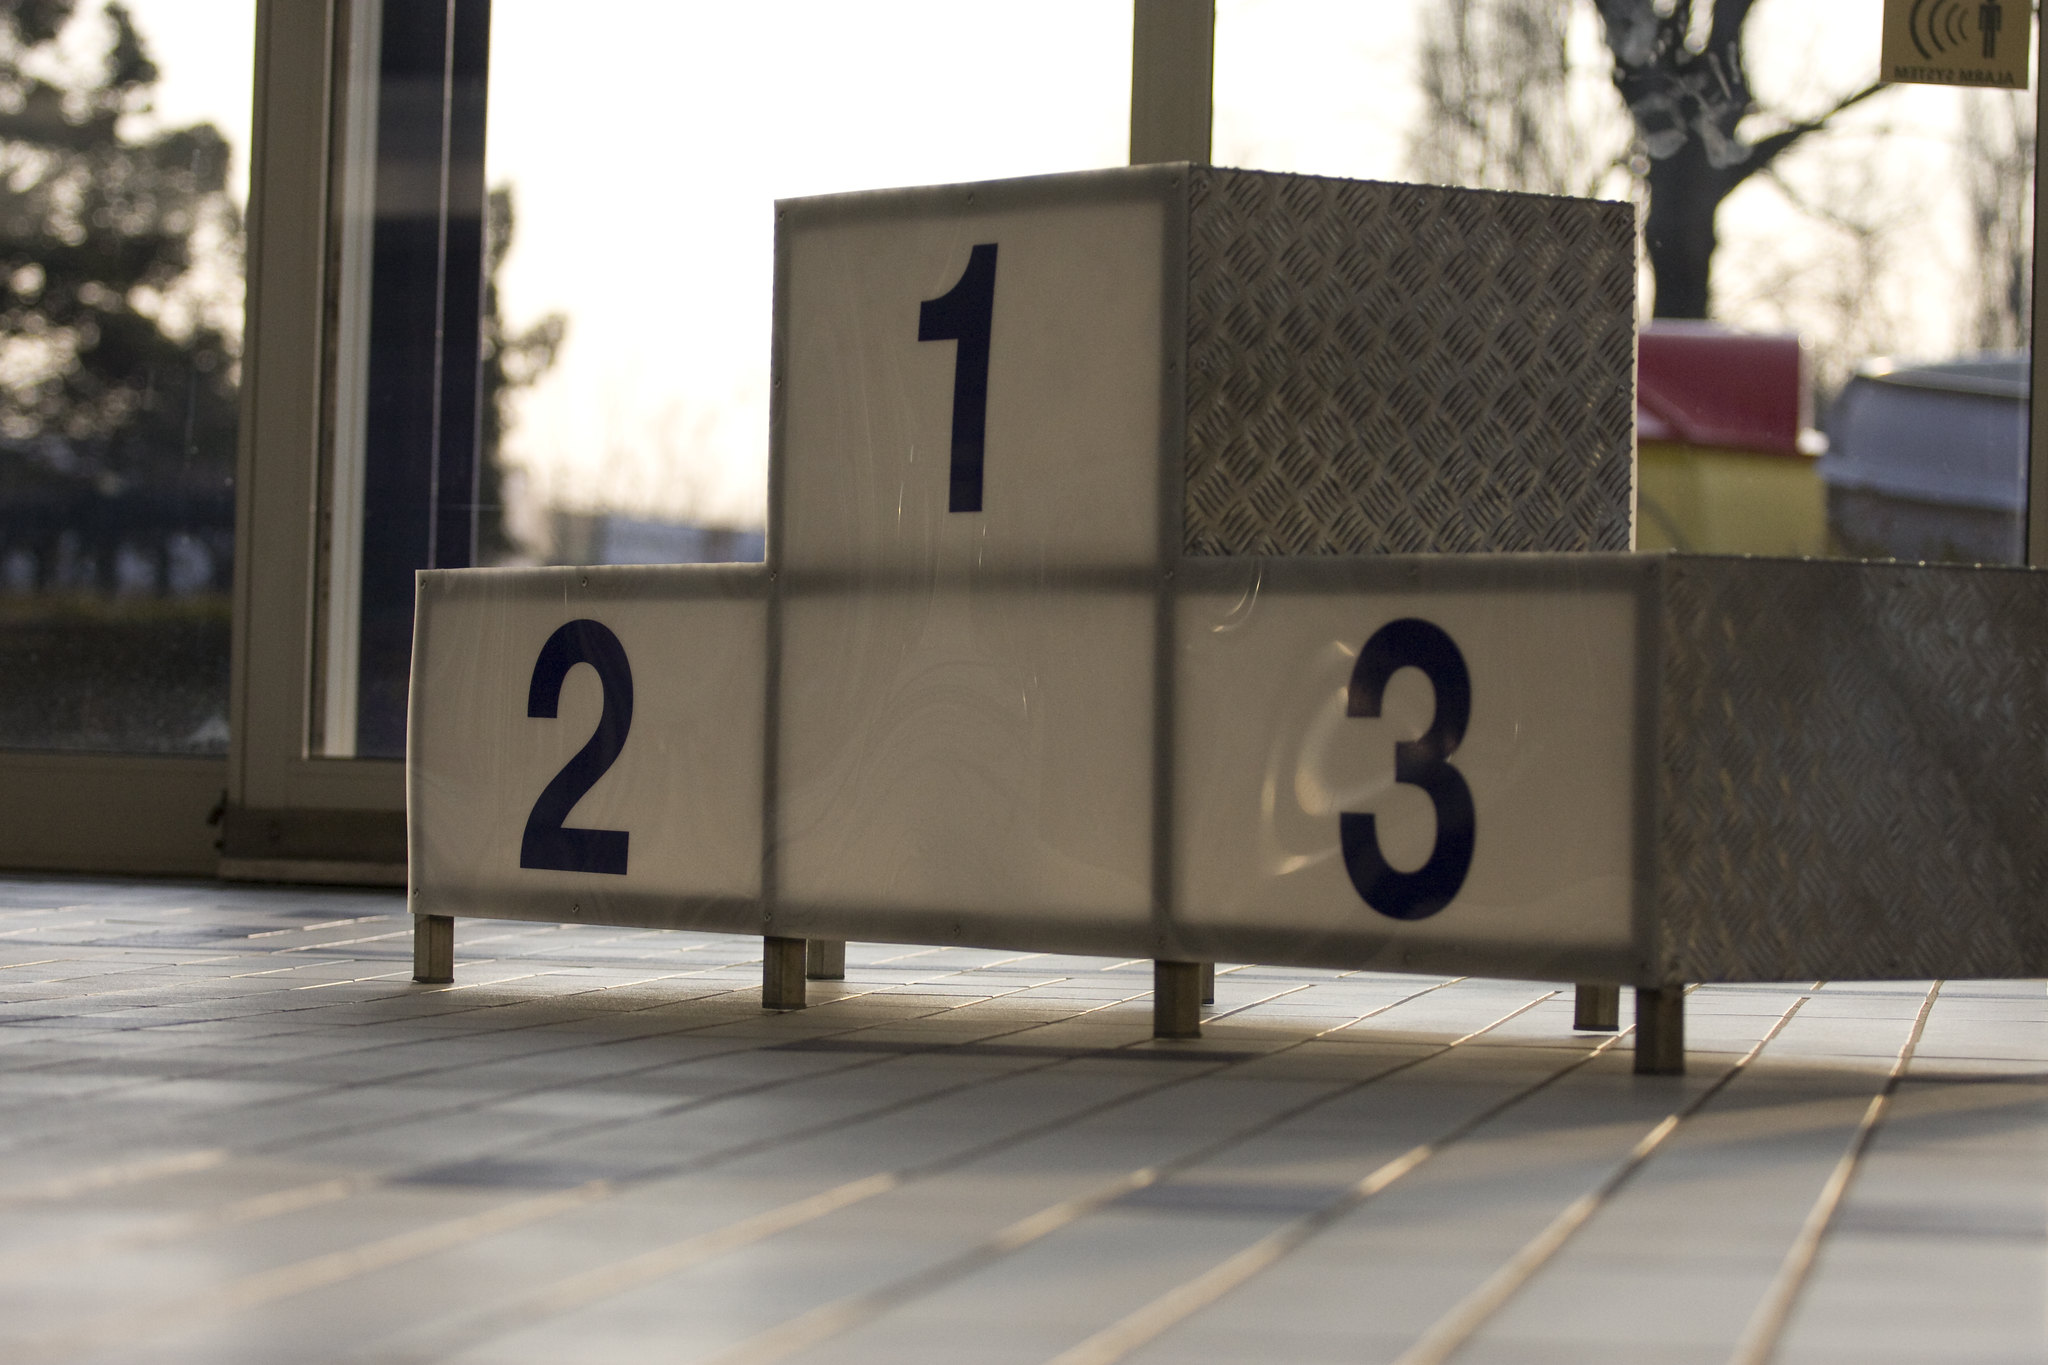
972	381
589	741
1620	768
981	761
1328	787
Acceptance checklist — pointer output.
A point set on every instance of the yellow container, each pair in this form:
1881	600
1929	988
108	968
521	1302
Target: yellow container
1718	501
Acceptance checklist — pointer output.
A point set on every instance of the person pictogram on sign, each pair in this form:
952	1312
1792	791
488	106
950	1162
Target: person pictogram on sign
1990	20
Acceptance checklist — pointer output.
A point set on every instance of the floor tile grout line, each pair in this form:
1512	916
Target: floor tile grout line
606	1282
742	991
723	1096
1450	1332
595	991
324	924
199	1221
842	1315
330	1268
686	1106
1155	1318
680	975
302	1196
1221	1015
111	971
176	1227
420	1073
268	1286
473	1009
113	1176
275	953
400	968
1762	1334
282	1281
899	985
59	1064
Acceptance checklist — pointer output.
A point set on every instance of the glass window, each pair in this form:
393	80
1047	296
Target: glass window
123	132
619	392
635	161
1836	278
404	484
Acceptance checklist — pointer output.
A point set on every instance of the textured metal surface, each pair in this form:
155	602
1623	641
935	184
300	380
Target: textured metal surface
1854	775
1378	368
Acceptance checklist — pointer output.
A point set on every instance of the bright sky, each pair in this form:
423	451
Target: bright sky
646	152
648	220
646	157
206	50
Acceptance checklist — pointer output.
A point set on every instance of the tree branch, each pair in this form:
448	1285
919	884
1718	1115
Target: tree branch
1763	152
1729	17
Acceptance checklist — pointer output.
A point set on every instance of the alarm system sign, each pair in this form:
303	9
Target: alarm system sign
1958	42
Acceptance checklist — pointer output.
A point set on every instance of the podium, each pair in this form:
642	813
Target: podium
1186	563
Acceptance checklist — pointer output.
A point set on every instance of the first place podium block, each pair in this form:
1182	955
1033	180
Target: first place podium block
1111	370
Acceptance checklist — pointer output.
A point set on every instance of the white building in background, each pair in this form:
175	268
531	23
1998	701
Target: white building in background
612	538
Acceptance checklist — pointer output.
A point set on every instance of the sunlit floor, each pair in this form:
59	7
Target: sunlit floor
235	1131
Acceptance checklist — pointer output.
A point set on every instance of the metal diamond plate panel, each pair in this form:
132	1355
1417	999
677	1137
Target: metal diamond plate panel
1378	368
1854	772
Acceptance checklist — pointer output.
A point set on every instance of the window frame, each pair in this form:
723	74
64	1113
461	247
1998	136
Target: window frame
278	524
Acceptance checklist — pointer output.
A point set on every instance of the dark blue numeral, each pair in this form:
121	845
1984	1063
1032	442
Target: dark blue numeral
966	314
1411	643
547	844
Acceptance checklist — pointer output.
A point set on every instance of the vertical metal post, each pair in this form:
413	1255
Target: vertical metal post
825	959
782	973
1597	1009
1173	62
1173	66
433	949
1660	1031
1176	999
2037	423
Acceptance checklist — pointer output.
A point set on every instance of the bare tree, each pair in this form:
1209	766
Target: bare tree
513	362
1998	173
1679	67
1497	85
1839	283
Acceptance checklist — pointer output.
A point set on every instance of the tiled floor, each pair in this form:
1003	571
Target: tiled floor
235	1131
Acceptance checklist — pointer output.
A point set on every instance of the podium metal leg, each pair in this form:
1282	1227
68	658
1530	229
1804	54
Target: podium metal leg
782	973
1660	1031
825	959
433	949
1598	1009
1176	999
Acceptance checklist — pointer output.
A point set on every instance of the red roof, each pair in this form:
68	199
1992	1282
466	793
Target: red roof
1701	384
